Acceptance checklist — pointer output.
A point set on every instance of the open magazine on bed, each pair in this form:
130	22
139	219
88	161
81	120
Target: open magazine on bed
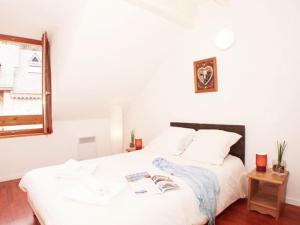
143	183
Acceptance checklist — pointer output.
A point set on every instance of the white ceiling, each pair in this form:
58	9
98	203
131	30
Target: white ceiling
31	17
103	52
182	12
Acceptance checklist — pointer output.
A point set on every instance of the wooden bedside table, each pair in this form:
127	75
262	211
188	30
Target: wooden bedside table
266	192
132	149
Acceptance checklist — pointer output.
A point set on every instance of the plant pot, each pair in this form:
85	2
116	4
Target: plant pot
279	167
131	145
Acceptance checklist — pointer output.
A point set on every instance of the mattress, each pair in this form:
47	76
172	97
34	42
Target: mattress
46	193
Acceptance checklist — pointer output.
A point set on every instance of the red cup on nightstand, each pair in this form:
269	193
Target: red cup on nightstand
261	162
138	143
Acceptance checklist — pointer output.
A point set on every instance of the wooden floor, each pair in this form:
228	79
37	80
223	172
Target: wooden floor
14	210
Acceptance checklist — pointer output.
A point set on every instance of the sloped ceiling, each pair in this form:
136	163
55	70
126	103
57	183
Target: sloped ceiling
103	52
31	17
183	12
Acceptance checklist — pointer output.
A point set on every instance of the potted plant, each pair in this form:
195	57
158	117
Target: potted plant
279	164
132	137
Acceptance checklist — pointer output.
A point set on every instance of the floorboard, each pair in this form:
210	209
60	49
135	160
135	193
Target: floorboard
15	210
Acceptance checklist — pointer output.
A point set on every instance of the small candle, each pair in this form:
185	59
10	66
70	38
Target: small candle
138	143
261	162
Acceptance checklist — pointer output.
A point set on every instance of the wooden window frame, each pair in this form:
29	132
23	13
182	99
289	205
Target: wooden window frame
46	117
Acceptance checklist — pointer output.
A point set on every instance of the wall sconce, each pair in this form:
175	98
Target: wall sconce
225	38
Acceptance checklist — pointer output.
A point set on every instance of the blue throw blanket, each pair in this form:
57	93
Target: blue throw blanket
203	182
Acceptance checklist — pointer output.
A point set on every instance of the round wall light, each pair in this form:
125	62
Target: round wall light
224	39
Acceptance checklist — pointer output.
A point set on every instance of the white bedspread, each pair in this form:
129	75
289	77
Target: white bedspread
47	193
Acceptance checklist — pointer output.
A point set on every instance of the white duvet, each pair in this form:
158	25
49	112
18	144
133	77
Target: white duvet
47	193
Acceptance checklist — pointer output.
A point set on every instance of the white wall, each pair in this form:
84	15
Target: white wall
19	155
258	81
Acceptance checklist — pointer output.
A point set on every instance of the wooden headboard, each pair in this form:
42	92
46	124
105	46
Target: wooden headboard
237	150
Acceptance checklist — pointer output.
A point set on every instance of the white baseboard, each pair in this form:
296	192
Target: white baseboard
292	201
11	177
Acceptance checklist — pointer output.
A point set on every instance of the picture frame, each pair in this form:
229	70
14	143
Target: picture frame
205	75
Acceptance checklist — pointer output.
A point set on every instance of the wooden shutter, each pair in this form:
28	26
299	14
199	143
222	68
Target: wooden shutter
47	97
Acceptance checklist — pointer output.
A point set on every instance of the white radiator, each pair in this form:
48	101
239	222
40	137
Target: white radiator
87	148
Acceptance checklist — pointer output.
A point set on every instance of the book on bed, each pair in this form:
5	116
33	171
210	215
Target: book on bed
143	183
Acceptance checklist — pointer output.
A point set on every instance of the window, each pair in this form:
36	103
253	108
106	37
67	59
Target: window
25	86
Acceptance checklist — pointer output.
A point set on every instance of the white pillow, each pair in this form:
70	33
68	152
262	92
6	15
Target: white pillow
173	140
211	146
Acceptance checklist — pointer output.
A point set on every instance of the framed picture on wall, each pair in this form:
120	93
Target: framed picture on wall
205	75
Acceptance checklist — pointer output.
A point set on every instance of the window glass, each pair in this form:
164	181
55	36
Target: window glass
20	82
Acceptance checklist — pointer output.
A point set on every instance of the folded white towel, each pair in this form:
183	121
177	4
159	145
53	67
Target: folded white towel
91	191
73	169
80	185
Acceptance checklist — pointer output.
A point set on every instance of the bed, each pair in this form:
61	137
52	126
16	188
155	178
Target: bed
46	192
